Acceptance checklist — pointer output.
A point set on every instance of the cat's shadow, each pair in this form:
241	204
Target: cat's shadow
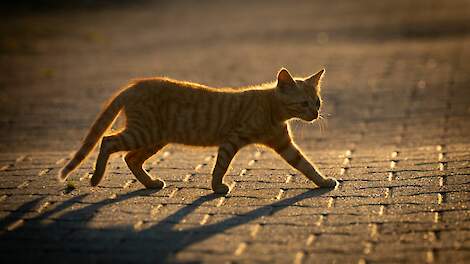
158	243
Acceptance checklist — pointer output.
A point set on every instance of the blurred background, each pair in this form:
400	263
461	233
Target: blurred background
397	102
396	70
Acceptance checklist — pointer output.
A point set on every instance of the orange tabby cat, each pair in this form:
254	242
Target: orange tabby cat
160	111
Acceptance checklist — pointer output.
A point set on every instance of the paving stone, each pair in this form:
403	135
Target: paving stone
395	134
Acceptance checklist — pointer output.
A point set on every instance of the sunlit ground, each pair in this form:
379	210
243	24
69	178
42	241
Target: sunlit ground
396	132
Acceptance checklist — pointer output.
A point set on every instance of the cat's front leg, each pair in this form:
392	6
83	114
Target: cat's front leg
290	153
224	156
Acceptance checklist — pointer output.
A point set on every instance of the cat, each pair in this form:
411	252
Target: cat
160	111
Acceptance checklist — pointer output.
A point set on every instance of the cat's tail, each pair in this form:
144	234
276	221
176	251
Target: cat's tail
101	124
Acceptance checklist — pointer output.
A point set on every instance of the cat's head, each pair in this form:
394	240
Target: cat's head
299	98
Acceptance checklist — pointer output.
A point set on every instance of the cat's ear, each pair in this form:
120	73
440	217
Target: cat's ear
315	80
284	80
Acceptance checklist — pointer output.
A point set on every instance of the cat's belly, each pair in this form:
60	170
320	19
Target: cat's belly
194	138
188	132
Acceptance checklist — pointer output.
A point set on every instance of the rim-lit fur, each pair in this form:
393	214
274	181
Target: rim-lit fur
160	111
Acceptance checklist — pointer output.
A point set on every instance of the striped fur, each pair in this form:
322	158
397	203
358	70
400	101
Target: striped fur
160	111
104	120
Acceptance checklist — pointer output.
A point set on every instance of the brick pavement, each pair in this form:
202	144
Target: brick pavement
397	135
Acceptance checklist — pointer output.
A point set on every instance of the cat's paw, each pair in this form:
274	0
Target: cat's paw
221	189
94	181
328	183
155	184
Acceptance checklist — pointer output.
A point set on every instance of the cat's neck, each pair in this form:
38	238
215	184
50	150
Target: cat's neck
269	101
279	115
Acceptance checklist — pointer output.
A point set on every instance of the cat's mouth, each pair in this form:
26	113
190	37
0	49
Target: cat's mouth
315	116
310	117
306	116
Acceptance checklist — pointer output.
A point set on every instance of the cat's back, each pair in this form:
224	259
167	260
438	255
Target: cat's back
186	112
169	89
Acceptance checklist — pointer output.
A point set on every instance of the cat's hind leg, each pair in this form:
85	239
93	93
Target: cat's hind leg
135	160
125	140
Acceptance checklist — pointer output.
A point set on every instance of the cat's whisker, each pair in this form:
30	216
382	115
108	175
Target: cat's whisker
318	121
322	122
298	127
